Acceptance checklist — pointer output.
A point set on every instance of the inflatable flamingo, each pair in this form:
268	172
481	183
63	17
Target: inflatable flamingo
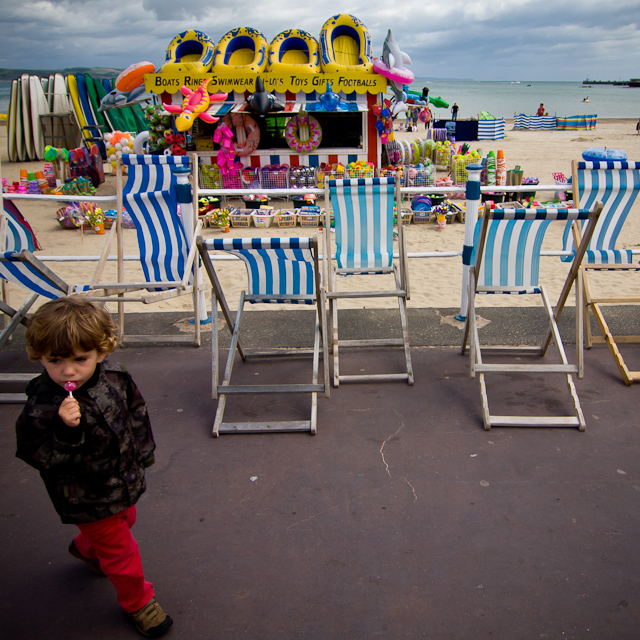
194	105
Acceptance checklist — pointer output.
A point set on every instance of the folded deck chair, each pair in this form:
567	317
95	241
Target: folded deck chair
279	270
167	255
616	185
364	215
507	246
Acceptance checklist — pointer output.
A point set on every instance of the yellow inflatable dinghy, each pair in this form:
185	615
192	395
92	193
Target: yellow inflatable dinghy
345	45
241	49
293	51
189	52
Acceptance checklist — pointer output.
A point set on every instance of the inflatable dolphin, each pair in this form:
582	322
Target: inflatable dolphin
263	102
394	58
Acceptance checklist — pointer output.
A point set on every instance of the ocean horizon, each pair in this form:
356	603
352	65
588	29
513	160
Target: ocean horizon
504	99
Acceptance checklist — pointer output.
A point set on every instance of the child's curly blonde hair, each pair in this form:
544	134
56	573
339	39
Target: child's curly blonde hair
66	326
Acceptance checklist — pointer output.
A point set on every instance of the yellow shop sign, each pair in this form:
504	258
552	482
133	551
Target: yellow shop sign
246	81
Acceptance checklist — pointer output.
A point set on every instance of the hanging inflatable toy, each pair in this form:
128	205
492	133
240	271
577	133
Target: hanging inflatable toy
133	76
303	133
194	105
263	102
246	130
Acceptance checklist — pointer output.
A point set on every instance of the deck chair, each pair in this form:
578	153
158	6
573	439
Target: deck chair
23	269
507	246
279	270
363	209
16	234
616	184
167	256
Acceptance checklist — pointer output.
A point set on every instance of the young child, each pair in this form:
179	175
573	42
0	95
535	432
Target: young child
91	441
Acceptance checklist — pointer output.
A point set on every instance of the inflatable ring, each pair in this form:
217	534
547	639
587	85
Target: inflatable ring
303	133
133	76
247	132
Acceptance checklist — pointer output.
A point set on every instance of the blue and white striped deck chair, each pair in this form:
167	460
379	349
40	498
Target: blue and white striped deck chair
279	270
16	236
167	257
19	266
616	185
363	209
507	245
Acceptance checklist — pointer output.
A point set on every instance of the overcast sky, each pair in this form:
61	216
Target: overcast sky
482	40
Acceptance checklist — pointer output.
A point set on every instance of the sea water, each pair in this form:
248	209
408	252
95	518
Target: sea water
504	99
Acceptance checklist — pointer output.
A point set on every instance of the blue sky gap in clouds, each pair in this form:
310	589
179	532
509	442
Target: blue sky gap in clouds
483	40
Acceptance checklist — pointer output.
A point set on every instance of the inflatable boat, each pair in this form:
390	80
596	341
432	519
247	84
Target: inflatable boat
345	45
241	49
189	52
294	51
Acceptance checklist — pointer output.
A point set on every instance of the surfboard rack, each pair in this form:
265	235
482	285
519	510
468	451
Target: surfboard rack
60	130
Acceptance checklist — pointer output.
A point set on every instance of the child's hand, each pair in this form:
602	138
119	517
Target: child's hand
69	412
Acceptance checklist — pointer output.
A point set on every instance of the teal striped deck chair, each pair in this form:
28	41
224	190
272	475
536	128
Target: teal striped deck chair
167	251
616	185
507	245
363	209
282	271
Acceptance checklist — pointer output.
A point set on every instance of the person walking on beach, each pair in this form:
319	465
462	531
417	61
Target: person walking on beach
454	111
85	428
540	110
638	127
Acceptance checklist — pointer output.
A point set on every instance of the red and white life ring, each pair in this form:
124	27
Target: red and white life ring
247	132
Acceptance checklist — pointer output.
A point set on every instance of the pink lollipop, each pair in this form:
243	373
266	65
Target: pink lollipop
70	386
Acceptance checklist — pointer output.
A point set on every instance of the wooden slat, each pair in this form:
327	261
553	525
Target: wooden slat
374	377
232	389
259	427
13	398
380	342
17	377
534	421
527	368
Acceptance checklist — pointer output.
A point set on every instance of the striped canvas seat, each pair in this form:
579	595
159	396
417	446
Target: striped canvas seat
363	209
616	184
20	267
506	253
511	260
150	199
279	270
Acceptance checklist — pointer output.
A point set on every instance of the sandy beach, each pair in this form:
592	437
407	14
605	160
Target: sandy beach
435	282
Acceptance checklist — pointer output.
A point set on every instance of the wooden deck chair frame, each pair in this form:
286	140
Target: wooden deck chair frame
471	335
399	269
221	389
149	291
618	191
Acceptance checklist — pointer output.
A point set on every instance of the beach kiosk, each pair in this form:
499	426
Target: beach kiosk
293	102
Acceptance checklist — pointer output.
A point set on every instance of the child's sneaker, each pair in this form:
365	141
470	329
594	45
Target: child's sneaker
151	620
94	565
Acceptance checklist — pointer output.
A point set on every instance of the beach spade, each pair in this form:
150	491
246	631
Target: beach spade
70	386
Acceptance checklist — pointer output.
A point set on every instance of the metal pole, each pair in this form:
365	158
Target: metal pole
471	217
184	195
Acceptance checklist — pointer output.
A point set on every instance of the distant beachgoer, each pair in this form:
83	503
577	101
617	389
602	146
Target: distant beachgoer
454	111
414	118
638	128
540	110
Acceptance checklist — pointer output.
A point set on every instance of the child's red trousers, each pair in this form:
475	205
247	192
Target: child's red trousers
110	541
